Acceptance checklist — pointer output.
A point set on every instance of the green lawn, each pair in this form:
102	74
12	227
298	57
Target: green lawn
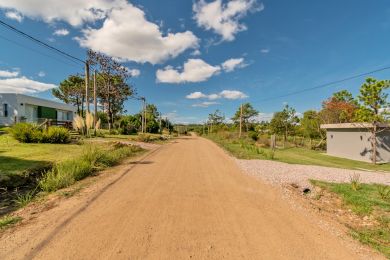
369	200
16	158
246	149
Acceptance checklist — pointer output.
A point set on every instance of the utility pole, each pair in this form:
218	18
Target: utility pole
239	135
94	99
145	114
87	85
160	125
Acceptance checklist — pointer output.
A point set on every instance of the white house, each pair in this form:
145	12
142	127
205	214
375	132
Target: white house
21	108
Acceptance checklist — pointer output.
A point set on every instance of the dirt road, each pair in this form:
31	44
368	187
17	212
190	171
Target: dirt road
186	200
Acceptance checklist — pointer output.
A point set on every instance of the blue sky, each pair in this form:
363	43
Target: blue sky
194	57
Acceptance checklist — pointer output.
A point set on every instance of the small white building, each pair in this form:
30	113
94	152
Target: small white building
21	108
353	141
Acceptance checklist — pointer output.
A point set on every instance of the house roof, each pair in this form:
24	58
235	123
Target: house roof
40	102
353	126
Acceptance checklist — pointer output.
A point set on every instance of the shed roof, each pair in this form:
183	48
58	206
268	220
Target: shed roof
353	125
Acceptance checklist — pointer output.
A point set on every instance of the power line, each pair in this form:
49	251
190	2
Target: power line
326	84
12	28
44	54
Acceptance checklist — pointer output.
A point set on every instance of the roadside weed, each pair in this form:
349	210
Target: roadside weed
7	221
355	181
384	192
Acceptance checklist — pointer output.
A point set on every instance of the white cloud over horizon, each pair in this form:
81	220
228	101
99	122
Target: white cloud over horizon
226	94
205	104
23	85
224	19
127	34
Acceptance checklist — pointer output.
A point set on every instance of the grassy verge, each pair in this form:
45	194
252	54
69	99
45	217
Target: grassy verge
370	202
148	138
18	159
247	149
8	221
92	159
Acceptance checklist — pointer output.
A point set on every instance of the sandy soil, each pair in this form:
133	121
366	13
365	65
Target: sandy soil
188	199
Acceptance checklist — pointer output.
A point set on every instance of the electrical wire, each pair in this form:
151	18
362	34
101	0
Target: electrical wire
41	53
32	38
325	85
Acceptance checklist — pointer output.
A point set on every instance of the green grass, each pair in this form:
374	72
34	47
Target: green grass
8	221
93	158
246	149
16	158
368	200
362	201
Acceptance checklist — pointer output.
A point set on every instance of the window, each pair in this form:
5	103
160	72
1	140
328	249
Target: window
5	110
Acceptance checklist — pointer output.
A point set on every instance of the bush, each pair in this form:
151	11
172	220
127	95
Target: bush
253	136
57	135
26	133
30	133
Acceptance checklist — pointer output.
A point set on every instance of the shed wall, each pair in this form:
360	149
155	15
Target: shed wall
355	144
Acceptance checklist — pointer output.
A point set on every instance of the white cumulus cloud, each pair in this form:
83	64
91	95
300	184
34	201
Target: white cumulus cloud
74	12
194	70
232	64
23	85
127	35
227	94
14	16
196	95
224	18
61	32
8	74
41	74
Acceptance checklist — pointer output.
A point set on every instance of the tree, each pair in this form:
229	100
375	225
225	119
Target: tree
311	124
373	107
283	122
113	90
152	117
340	108
248	113
216	118
72	91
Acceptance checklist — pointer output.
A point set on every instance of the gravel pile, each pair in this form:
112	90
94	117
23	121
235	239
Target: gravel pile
278	173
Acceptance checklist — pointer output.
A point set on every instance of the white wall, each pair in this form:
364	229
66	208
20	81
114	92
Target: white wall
11	100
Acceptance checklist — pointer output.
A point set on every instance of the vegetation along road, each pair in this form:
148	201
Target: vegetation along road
188	199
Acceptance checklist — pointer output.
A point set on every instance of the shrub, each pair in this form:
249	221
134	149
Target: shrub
57	135
30	133
253	136
26	133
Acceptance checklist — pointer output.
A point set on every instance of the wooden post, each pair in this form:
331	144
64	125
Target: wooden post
94	101
239	135
374	143
87	85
